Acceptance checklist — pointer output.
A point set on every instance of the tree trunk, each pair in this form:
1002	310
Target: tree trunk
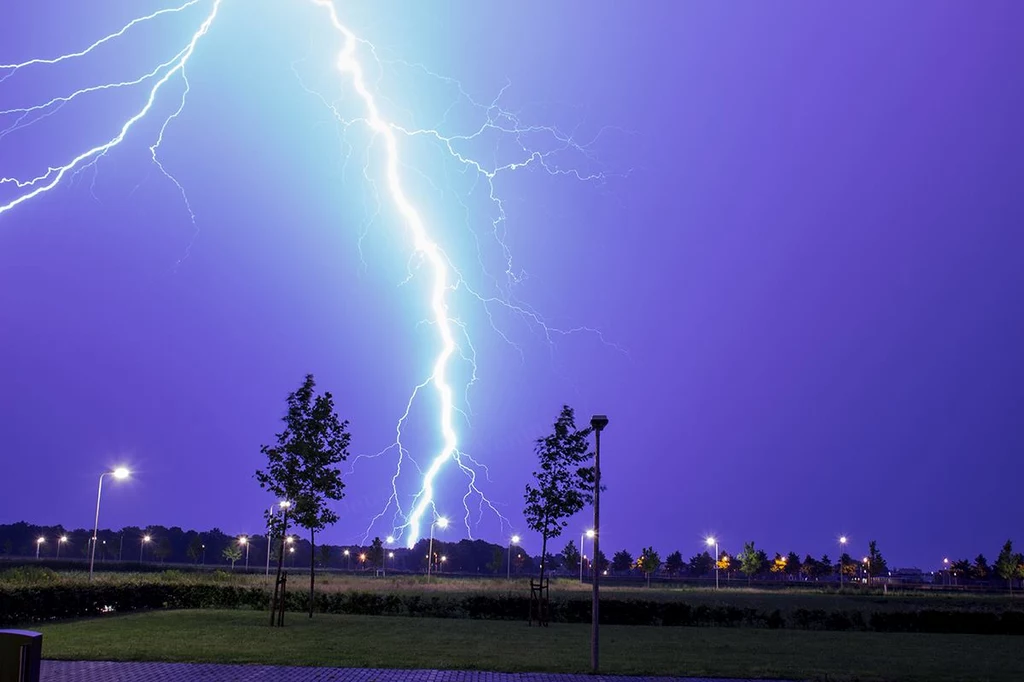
312	554
280	566
543	556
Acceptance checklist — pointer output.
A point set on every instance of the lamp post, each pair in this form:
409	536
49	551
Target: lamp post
283	504
244	541
120	474
142	546
348	560
514	540
588	534
39	544
441	522
945	567
60	541
597	422
709	542
389	540
842	551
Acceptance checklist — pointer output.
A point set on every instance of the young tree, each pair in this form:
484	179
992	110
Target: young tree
622	561
876	562
571	556
565	484
980	569
195	549
674	563
1007	563
232	553
649	562
377	552
750	561
809	569
701	564
793	565
303	468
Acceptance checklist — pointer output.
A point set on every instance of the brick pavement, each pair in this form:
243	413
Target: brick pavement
98	671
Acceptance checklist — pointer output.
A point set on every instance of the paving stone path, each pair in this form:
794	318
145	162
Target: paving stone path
98	671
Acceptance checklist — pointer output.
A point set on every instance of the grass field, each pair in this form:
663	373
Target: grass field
366	641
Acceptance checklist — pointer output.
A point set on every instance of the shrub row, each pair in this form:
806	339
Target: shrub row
28	604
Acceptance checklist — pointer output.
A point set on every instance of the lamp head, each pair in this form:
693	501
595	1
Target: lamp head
146	538
442	522
390	539
63	538
284	504
242	540
515	539
121	473
598	422
709	541
40	541
591	533
842	540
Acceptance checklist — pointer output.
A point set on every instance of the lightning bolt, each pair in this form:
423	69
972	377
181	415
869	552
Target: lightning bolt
354	65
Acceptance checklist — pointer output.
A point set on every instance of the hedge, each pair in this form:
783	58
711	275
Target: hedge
39	603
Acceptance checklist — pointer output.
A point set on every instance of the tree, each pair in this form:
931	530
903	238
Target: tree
377	552
674	563
571	556
601	561
876	563
778	565
195	548
303	467
1007	564
793	566
724	563
980	569
847	566
750	561
622	561
809	569
325	555
232	553
701	564
649	562
565	484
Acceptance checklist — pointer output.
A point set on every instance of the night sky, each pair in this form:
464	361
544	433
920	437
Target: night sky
803	256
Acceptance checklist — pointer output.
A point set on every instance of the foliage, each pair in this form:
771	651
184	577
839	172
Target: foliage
571	556
778	564
876	563
793	565
564	484
1007	563
980	570
377	552
648	563
195	548
232	553
701	564
674	563
724	562
622	561
750	560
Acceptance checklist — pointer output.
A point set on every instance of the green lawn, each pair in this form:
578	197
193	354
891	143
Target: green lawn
366	641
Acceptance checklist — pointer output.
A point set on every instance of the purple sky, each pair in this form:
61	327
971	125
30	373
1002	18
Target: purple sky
810	252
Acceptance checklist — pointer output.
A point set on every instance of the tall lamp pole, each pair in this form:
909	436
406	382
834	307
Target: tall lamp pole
597	422
714	541
443	523
512	541
119	473
588	534
842	551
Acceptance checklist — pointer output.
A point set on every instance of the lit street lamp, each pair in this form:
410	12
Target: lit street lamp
588	534
348	560
60	541
142	546
597	423
441	565
120	474
388	541
39	544
512	541
945	566
442	523
709	542
842	551
245	542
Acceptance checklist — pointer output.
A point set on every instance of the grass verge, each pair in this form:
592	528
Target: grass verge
380	642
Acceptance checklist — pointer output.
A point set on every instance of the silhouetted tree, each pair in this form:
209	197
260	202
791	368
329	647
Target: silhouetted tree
232	553
1007	563
622	561
876	562
793	565
980	569
571	556
750	561
302	467
674	563
648	563
564	483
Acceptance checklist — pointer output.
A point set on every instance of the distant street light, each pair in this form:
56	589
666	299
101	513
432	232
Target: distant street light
142	546
512	541
120	474
245	541
60	541
945	565
597	423
39	544
588	534
443	559
842	551
348	560
709	542
442	523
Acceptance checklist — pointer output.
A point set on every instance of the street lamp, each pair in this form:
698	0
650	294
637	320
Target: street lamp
842	551
588	534
945	566
714	541
142	546
442	523
39	544
60	541
348	560
245	542
120	474
512	541
597	423
441	566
